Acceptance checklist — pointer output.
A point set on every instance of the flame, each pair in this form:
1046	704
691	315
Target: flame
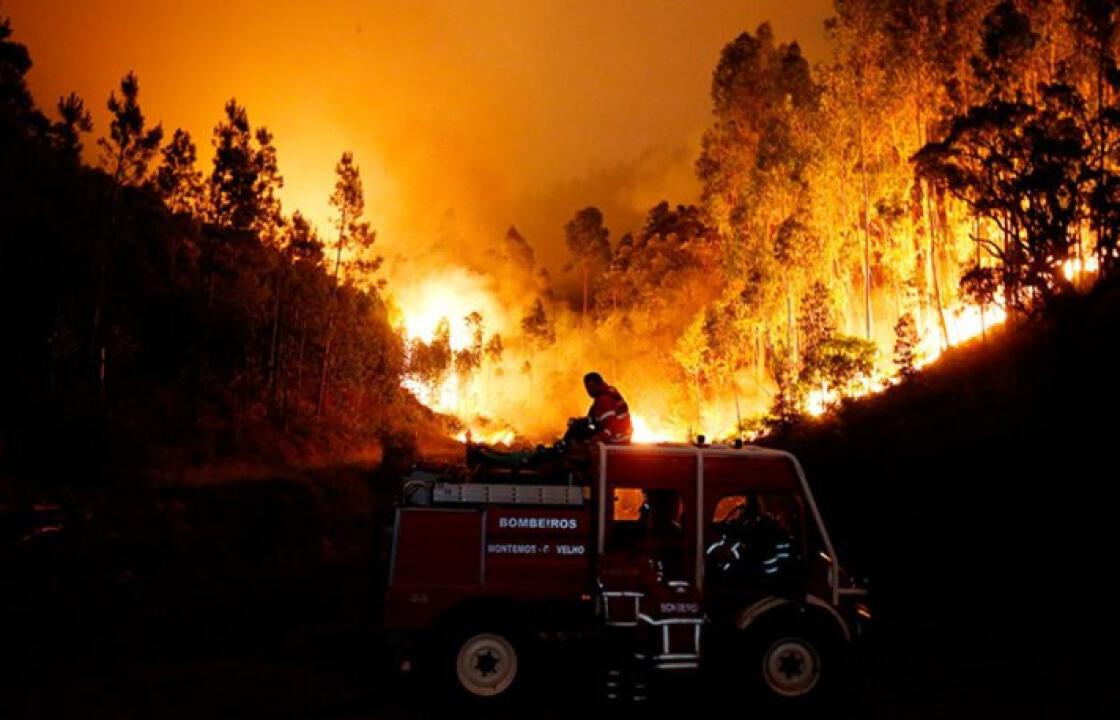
504	436
447	296
450	295
1073	268
963	323
819	400
646	433
501	404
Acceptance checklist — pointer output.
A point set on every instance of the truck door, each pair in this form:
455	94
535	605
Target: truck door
647	573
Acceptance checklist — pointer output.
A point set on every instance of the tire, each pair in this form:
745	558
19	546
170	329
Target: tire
483	663
788	665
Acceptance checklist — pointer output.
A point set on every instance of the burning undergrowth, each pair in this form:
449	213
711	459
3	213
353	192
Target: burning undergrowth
502	357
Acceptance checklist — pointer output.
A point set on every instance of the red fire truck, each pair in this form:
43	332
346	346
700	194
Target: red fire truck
660	558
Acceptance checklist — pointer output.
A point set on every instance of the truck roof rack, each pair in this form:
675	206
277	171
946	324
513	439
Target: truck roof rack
446	493
714	449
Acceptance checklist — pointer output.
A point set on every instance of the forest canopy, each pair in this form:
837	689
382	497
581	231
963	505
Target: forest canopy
952	163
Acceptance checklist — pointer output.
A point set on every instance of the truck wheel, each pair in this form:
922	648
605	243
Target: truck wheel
790	667
484	663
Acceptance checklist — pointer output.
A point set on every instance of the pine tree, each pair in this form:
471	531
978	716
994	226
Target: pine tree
233	184
74	121
178	181
589	243
905	345
129	149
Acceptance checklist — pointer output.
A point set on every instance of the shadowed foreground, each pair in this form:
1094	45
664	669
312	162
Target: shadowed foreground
270	611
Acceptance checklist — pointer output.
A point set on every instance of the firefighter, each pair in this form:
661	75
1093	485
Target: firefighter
609	415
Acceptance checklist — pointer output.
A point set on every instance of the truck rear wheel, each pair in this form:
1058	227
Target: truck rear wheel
484	663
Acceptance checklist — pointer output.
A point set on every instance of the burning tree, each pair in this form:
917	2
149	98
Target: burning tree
429	362
537	327
589	242
906	345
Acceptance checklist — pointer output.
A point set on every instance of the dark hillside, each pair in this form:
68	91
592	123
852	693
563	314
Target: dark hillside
977	496
140	335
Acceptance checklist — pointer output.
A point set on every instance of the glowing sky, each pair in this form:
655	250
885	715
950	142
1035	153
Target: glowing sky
474	113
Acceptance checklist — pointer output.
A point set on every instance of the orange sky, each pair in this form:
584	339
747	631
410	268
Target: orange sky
464	116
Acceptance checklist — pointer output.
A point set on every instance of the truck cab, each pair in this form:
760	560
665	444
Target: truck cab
661	559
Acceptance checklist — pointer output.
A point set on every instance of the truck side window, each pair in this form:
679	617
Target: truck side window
727	506
648	530
643	515
627	505
780	508
783	509
754	541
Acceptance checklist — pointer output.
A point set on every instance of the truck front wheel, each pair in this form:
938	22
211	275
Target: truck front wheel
484	663
791	667
790	664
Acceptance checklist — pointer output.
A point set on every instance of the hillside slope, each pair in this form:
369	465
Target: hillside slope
977	496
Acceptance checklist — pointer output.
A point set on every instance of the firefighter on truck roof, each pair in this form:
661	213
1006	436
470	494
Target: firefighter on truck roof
609	415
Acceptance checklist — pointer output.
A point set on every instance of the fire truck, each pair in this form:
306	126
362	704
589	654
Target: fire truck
659	560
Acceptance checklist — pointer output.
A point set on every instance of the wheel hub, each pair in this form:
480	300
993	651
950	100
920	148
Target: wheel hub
486	663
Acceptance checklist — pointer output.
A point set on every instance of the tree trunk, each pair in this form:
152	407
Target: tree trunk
583	315
983	305
1102	257
759	360
791	334
273	351
321	403
342	222
931	226
299	367
866	230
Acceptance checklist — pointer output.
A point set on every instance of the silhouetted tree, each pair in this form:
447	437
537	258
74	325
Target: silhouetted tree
244	181
129	149
494	349
178	179
354	236
518	249
1096	25
74	121
1022	167
589	243
269	217
537	327
16	105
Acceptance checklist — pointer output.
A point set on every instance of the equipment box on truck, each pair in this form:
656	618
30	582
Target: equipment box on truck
662	558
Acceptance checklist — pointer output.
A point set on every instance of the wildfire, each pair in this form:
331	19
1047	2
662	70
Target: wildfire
1073	268
504	436
962	324
646	433
448	296
500	401
444	300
